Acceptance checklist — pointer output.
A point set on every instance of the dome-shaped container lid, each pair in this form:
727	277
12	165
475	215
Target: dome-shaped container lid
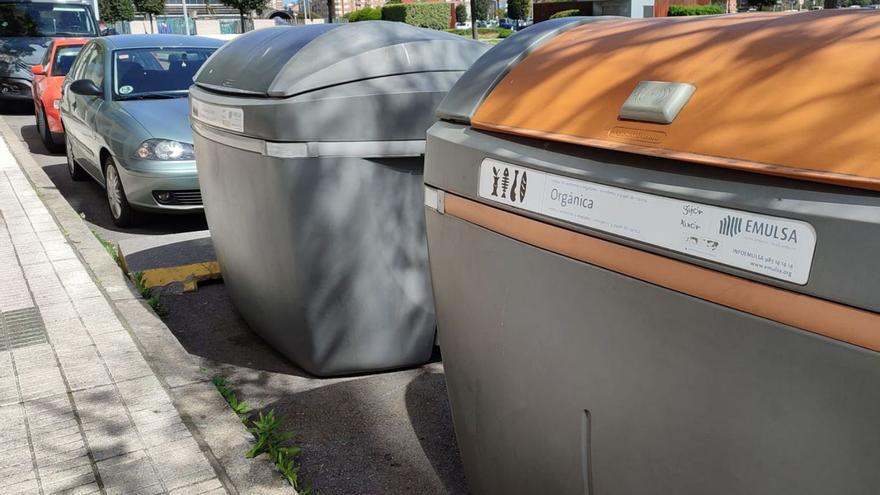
286	61
474	85
794	95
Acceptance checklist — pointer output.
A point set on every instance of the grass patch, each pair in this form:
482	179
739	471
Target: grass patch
240	407
269	439
109	246
151	296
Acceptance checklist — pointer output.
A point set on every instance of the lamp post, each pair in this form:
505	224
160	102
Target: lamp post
185	19
474	19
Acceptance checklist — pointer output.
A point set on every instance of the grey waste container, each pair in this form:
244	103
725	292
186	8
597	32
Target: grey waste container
309	144
646	281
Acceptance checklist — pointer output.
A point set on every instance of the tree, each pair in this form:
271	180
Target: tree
518	9
244	6
151	8
499	13
116	10
481	9
461	13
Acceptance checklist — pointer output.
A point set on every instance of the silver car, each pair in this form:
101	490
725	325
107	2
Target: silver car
126	116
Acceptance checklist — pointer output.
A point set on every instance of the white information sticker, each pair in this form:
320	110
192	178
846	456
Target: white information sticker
771	246
231	118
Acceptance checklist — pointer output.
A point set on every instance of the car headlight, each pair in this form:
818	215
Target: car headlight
164	149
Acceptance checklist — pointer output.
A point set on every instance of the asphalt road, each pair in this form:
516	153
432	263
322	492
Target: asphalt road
384	433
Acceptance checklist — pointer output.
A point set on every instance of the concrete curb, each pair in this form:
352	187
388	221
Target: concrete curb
220	434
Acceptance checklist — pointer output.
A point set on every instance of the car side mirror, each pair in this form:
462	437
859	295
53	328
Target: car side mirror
86	87
38	70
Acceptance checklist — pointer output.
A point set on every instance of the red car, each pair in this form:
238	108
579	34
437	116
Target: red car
48	76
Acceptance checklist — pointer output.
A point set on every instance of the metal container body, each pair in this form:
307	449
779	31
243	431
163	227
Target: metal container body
320	258
309	147
571	377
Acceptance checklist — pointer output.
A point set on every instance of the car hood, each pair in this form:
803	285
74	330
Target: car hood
18	54
163	119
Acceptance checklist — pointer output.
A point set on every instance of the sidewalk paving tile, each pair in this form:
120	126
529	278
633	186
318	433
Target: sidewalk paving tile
16	474
89	489
25	487
210	487
81	410
127	366
16	456
130	473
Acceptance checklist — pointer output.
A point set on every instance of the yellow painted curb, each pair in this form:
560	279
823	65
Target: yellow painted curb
188	275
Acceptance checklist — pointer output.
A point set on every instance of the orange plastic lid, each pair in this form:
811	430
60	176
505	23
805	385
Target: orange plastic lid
796	95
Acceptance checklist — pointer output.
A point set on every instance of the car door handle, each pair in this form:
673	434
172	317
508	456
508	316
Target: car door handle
73	105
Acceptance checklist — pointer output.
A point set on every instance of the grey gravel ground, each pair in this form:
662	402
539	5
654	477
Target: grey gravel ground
383	433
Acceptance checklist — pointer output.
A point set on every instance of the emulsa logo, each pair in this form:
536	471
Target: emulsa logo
732	225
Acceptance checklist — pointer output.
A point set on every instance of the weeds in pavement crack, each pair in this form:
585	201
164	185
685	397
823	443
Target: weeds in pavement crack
109	246
151	296
240	407
268	438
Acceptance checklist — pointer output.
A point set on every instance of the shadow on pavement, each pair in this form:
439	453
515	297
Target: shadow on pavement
207	325
371	434
368	435
17	108
427	404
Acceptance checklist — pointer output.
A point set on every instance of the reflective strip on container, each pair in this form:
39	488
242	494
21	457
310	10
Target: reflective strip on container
240	142
315	149
287	150
434	199
367	149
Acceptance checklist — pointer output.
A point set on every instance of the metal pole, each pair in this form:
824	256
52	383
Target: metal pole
474	19
185	19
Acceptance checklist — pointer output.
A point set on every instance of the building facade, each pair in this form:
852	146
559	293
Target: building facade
347	6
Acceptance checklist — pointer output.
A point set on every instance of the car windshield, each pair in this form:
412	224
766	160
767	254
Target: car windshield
64	58
45	19
156	72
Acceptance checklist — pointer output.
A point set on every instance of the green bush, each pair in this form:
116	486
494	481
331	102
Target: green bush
680	10
566	13
483	33
394	12
365	14
427	15
461	13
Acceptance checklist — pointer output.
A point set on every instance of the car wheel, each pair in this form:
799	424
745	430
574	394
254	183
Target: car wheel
39	120
120	210
76	172
45	133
